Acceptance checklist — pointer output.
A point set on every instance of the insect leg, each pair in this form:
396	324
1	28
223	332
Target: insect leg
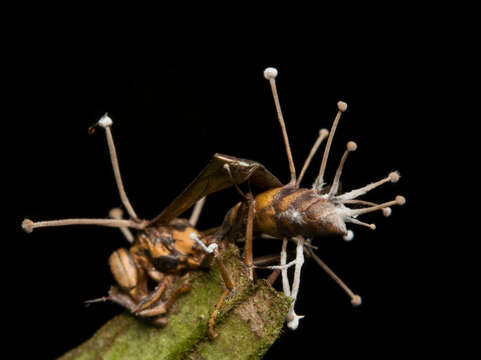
229	286
271	279
212	333
124	300
119	297
163	307
248	256
213	249
129	276
249	198
152	298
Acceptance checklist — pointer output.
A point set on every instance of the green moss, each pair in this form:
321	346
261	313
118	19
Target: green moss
250	320
249	329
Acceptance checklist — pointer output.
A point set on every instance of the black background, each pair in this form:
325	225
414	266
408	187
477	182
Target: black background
169	119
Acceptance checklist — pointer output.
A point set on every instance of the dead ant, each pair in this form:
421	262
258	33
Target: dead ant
166	247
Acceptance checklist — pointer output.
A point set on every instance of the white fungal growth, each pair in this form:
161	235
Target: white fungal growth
208	249
105	121
270	73
293	215
349	236
294	323
292	318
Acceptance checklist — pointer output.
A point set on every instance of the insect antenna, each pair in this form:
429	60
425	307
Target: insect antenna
341	107
270	74
106	122
323	133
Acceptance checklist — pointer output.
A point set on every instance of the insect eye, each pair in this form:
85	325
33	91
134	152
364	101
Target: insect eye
165	263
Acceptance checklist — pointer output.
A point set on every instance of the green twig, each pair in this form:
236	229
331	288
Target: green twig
249	322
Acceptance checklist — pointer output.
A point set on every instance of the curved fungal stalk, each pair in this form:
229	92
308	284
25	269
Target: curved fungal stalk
270	74
319	183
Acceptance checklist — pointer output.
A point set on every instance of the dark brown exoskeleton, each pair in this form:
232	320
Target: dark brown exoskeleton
291	212
165	248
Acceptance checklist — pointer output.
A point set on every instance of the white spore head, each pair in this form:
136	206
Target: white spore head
270	73
105	121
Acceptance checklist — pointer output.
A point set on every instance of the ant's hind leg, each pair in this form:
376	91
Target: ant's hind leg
124	300
161	307
127	274
153	297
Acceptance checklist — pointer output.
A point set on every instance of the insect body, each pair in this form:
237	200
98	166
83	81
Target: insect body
159	255
292	212
167	247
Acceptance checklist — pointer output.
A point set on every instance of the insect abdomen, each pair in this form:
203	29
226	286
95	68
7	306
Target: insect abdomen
283	212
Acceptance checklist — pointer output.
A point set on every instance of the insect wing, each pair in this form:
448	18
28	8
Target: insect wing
214	178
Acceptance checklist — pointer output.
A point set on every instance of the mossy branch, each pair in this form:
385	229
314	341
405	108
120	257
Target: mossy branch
250	320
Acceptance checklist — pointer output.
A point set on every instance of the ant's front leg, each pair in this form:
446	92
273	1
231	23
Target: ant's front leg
248	255
118	296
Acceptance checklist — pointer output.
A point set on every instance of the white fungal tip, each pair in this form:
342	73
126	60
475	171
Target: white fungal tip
356	300
211	248
351	146
324	133
342	106
394	176
270	73
105	121
401	200
386	211
27	225
349	236
294	323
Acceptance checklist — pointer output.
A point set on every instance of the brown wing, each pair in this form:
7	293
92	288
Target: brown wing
214	178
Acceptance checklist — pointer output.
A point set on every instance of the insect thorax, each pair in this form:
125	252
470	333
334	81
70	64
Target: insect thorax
170	248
